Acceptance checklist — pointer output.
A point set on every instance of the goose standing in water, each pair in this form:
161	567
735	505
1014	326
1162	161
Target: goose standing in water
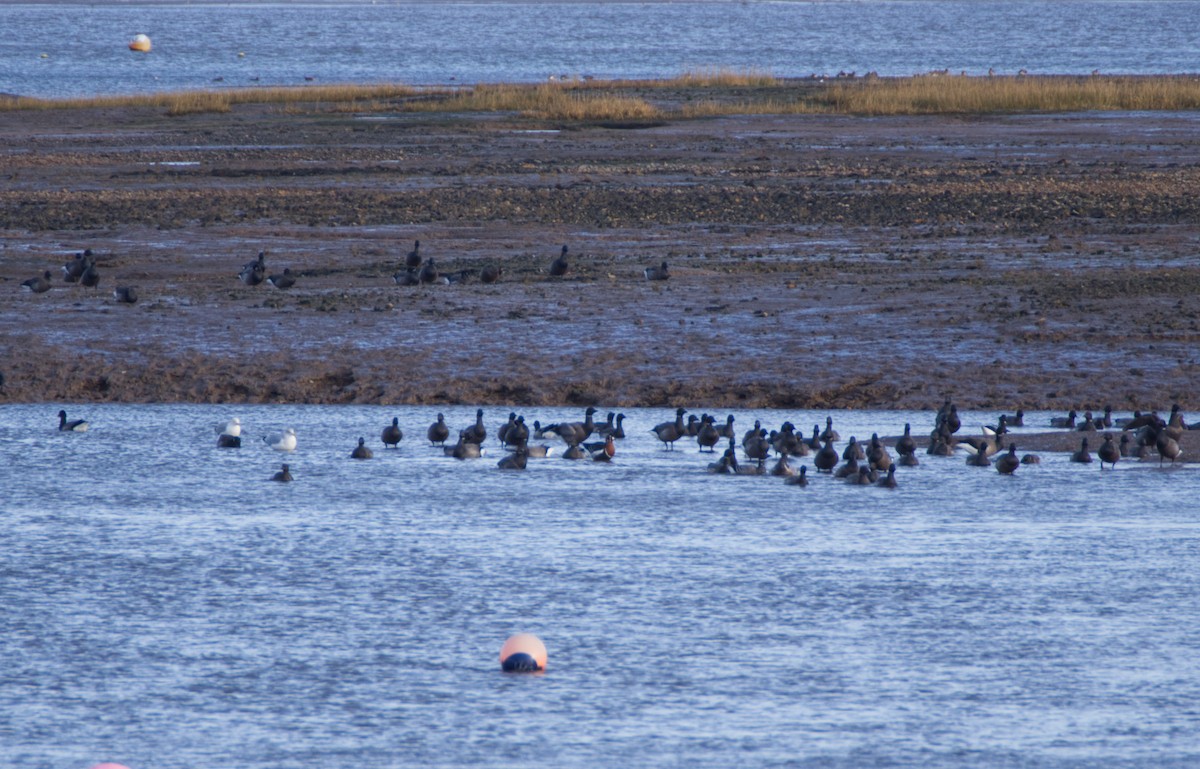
799	479
361	451
38	285
516	460
1168	447
906	445
829	432
285	441
1108	452
1068	421
888	481
578	432
877	454
559	266
601	451
1008	463
283	476
464	449
476	433
1082	456
438	432
707	436
392	434
826	457
783	468
72	426
669	432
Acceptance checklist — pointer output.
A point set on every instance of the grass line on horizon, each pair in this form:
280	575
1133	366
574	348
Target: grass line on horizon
691	95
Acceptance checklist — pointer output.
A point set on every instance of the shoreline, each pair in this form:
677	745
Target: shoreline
818	261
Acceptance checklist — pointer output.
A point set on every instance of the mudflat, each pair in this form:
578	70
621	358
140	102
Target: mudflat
1020	261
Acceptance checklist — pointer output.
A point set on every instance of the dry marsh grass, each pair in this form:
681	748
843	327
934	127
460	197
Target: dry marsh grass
981	95
692	95
548	101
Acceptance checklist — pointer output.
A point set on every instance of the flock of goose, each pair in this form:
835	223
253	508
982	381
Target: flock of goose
80	269
1143	436
418	270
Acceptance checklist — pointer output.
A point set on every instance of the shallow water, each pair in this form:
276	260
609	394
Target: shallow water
79	49
164	605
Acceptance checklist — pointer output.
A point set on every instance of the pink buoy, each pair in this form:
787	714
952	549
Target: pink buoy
110	765
523	653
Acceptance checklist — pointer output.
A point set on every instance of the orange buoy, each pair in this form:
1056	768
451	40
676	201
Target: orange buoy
523	653
140	43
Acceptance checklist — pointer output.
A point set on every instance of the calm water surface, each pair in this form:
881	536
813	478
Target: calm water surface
79	49
164	605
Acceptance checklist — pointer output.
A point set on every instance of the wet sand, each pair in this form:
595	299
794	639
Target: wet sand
816	262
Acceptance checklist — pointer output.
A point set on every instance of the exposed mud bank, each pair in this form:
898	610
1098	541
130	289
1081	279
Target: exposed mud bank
1036	262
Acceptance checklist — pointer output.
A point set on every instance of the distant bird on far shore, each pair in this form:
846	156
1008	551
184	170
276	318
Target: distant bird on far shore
428	272
559	266
255	271
73	269
38	285
413	259
491	274
125	294
283	280
90	277
657	273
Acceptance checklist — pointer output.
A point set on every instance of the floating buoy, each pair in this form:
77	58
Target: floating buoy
523	653
110	765
140	43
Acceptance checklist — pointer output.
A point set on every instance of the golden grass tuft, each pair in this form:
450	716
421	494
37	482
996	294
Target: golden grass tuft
982	95
548	101
222	100
691	95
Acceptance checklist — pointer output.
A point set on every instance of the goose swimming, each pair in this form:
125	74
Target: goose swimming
73	426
